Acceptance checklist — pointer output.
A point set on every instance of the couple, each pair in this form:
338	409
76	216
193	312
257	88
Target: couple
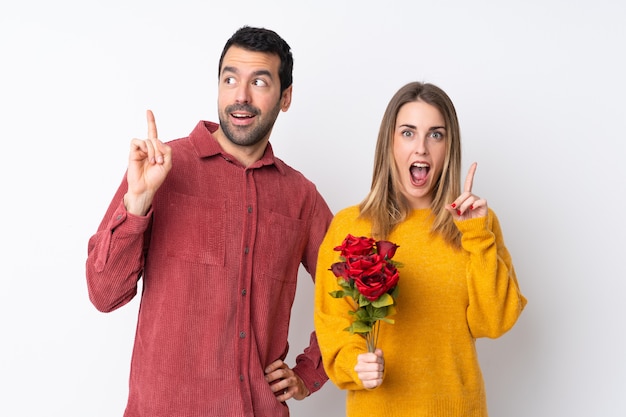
217	227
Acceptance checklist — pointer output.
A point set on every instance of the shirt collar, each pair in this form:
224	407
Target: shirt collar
207	146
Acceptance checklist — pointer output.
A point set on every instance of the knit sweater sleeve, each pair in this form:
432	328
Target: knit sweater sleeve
339	348
495	300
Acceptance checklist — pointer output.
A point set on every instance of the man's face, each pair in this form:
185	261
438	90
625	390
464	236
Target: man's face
249	97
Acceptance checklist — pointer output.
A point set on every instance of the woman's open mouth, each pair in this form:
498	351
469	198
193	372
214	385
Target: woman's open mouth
419	173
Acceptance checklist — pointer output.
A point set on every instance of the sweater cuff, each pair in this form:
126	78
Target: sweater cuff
477	226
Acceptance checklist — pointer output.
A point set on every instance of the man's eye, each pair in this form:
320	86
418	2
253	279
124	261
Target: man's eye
259	83
229	80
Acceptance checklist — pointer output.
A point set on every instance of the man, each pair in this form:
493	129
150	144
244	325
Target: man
217	227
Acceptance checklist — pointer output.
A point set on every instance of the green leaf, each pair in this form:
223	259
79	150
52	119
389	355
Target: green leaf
395	292
379	313
363	301
362	314
383	301
360	327
337	294
344	283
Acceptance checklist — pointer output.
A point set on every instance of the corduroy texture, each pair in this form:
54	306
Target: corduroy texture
223	245
447	298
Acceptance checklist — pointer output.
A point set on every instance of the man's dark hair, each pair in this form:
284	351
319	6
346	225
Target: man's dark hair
263	40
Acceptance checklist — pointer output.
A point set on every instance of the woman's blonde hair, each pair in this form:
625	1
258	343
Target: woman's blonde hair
385	205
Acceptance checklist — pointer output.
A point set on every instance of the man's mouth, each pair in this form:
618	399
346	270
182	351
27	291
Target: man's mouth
242	111
242	115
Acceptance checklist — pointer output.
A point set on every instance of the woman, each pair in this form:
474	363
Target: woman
457	281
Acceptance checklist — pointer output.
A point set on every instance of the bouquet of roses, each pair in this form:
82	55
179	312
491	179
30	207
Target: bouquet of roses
367	274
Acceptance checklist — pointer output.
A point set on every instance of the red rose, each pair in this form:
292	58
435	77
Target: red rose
375	276
386	249
340	269
358	266
356	246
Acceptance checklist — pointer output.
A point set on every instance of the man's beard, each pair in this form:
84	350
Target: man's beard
248	135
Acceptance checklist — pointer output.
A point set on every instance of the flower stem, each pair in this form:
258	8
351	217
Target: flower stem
371	338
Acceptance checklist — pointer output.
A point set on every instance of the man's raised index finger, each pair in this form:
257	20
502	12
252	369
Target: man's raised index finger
469	180
152	130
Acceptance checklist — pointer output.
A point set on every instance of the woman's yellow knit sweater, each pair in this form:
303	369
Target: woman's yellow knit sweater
447	299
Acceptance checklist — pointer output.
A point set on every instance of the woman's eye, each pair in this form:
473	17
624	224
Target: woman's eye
436	135
407	133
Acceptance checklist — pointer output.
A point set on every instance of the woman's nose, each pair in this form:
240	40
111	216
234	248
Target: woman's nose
420	147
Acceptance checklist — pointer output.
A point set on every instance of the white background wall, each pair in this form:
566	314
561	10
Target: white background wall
539	87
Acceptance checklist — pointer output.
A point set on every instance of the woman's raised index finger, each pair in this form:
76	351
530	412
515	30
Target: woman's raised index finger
469	180
152	130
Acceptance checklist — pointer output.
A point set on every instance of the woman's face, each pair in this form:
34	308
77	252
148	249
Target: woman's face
419	150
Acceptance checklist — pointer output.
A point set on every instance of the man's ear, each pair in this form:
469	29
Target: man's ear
285	100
